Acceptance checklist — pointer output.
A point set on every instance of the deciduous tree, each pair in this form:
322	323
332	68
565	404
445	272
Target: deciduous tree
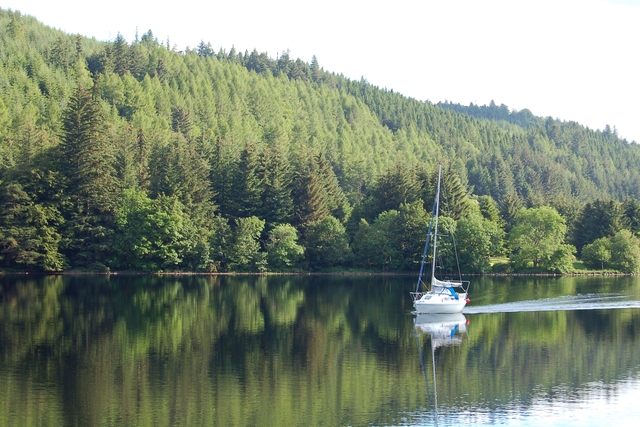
538	235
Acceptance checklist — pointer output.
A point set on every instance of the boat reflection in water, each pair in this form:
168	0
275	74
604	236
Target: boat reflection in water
444	330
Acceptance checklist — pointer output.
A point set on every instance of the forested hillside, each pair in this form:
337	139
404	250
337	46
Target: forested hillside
130	155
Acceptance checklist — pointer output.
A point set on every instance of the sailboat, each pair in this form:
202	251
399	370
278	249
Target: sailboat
443	296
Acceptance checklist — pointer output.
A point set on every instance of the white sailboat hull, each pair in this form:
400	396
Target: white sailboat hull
439	303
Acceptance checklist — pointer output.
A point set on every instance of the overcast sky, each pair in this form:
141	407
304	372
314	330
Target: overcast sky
569	59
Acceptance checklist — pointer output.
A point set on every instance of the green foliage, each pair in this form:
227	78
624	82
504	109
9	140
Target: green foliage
477	239
561	261
597	254
277	202
625	252
413	223
523	118
446	260
28	235
327	244
511	205
600	218
152	235
396	186
231	135
220	242
310	199
245	253
619	252
489	209
375	245
247	185
455	201
86	161
631	215
537	238
283	250
395	240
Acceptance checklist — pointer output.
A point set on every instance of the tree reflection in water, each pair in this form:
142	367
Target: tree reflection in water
291	350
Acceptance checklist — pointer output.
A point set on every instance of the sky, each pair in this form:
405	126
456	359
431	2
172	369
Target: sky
575	60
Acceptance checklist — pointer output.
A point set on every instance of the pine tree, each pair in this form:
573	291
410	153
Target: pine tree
489	209
181	121
86	161
120	55
455	197
205	50
180	170
509	208
600	218
631	215
126	165
277	203
316	73
28	235
247	186
310	199
223	166
397	185
337	202
141	155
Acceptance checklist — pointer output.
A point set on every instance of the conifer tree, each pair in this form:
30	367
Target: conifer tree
600	218
247	186
489	209
126	166
120	54
316	73
181	121
223	166
179	169
86	161
337	202
455	198
28	235
15	28
142	153
310	199
631	215
277	203
509	208
395	186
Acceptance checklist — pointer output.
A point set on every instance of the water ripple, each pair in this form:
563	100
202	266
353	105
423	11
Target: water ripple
569	302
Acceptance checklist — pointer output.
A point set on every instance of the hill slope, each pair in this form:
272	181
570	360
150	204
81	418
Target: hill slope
97	137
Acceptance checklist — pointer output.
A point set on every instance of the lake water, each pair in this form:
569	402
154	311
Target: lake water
316	351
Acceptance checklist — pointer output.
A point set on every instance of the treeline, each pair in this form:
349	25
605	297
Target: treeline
523	118
132	156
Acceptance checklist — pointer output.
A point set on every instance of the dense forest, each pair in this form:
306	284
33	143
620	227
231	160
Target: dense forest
133	156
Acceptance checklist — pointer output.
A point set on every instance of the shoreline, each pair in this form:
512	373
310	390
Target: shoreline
315	273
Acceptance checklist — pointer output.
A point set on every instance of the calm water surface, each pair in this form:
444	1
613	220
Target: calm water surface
316	351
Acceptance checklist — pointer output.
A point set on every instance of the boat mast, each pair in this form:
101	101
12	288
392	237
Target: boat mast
435	233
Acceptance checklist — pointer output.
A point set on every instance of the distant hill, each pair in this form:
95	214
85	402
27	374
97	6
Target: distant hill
361	128
240	134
